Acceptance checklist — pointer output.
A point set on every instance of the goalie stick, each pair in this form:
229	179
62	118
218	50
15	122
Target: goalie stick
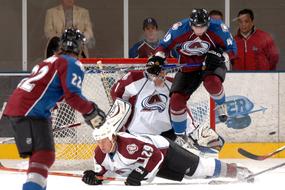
104	79
252	156
248	178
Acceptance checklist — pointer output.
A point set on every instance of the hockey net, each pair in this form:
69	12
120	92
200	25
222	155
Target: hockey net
74	143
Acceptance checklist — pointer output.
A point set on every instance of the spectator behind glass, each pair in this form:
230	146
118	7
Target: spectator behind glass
63	16
216	14
146	47
256	48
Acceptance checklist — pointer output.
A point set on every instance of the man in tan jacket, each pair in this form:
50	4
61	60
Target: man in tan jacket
64	16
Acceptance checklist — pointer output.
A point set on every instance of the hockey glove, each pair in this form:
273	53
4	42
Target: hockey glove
89	177
136	176
214	59
96	118
154	65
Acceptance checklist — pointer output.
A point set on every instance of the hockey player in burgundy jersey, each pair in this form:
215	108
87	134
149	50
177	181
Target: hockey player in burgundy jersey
142	157
148	92
205	47
29	107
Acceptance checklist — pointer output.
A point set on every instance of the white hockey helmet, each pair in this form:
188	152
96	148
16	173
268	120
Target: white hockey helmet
106	130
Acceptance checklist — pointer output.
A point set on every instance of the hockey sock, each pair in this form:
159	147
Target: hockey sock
178	112
39	163
32	186
214	86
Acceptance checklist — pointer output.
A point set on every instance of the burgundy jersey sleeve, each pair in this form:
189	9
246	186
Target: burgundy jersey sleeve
99	158
118	89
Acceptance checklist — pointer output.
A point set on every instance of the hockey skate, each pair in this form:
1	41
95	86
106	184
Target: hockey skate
221	111
239	172
243	173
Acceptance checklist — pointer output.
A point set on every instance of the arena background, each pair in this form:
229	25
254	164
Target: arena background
265	124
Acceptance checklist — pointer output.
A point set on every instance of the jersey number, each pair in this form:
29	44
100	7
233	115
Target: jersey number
38	73
147	151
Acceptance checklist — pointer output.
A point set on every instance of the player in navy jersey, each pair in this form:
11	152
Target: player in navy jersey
205	47
142	157
29	107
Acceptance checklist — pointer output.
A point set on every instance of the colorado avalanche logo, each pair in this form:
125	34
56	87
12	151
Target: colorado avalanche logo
132	148
154	102
195	47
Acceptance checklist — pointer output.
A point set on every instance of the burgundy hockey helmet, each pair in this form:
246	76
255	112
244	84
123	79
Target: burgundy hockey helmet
72	41
199	17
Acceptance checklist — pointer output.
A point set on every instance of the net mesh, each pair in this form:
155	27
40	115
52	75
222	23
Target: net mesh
74	143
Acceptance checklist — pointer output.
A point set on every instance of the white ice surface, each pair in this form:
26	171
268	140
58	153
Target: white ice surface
267	181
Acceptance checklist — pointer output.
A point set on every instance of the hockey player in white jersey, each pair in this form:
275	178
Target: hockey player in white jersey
142	157
148	92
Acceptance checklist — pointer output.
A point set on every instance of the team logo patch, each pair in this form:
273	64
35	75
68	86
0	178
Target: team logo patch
29	140
132	148
196	47
224	27
156	101
176	25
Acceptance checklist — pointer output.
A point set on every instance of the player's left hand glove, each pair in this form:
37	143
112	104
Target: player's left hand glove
89	177
214	59
136	176
96	118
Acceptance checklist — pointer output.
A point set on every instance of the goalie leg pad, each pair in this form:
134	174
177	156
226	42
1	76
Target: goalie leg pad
205	136
116	118
118	114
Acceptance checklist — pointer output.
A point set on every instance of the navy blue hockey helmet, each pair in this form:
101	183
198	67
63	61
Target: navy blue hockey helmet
72	41
199	17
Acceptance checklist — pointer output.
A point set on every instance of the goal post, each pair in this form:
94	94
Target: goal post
75	145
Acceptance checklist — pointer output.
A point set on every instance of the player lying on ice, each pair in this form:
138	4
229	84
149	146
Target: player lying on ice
148	91
142	157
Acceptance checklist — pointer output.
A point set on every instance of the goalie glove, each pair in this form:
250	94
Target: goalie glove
96	118
214	59
136	176
154	65
90	178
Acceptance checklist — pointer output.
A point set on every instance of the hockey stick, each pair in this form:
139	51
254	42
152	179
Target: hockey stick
3	168
259	157
111	69
248	178
2	109
104	79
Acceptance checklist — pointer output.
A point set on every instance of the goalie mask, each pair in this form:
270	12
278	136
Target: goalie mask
154	65
199	18
72	41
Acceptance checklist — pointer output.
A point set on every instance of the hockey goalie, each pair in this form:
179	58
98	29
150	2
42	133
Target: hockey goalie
148	93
